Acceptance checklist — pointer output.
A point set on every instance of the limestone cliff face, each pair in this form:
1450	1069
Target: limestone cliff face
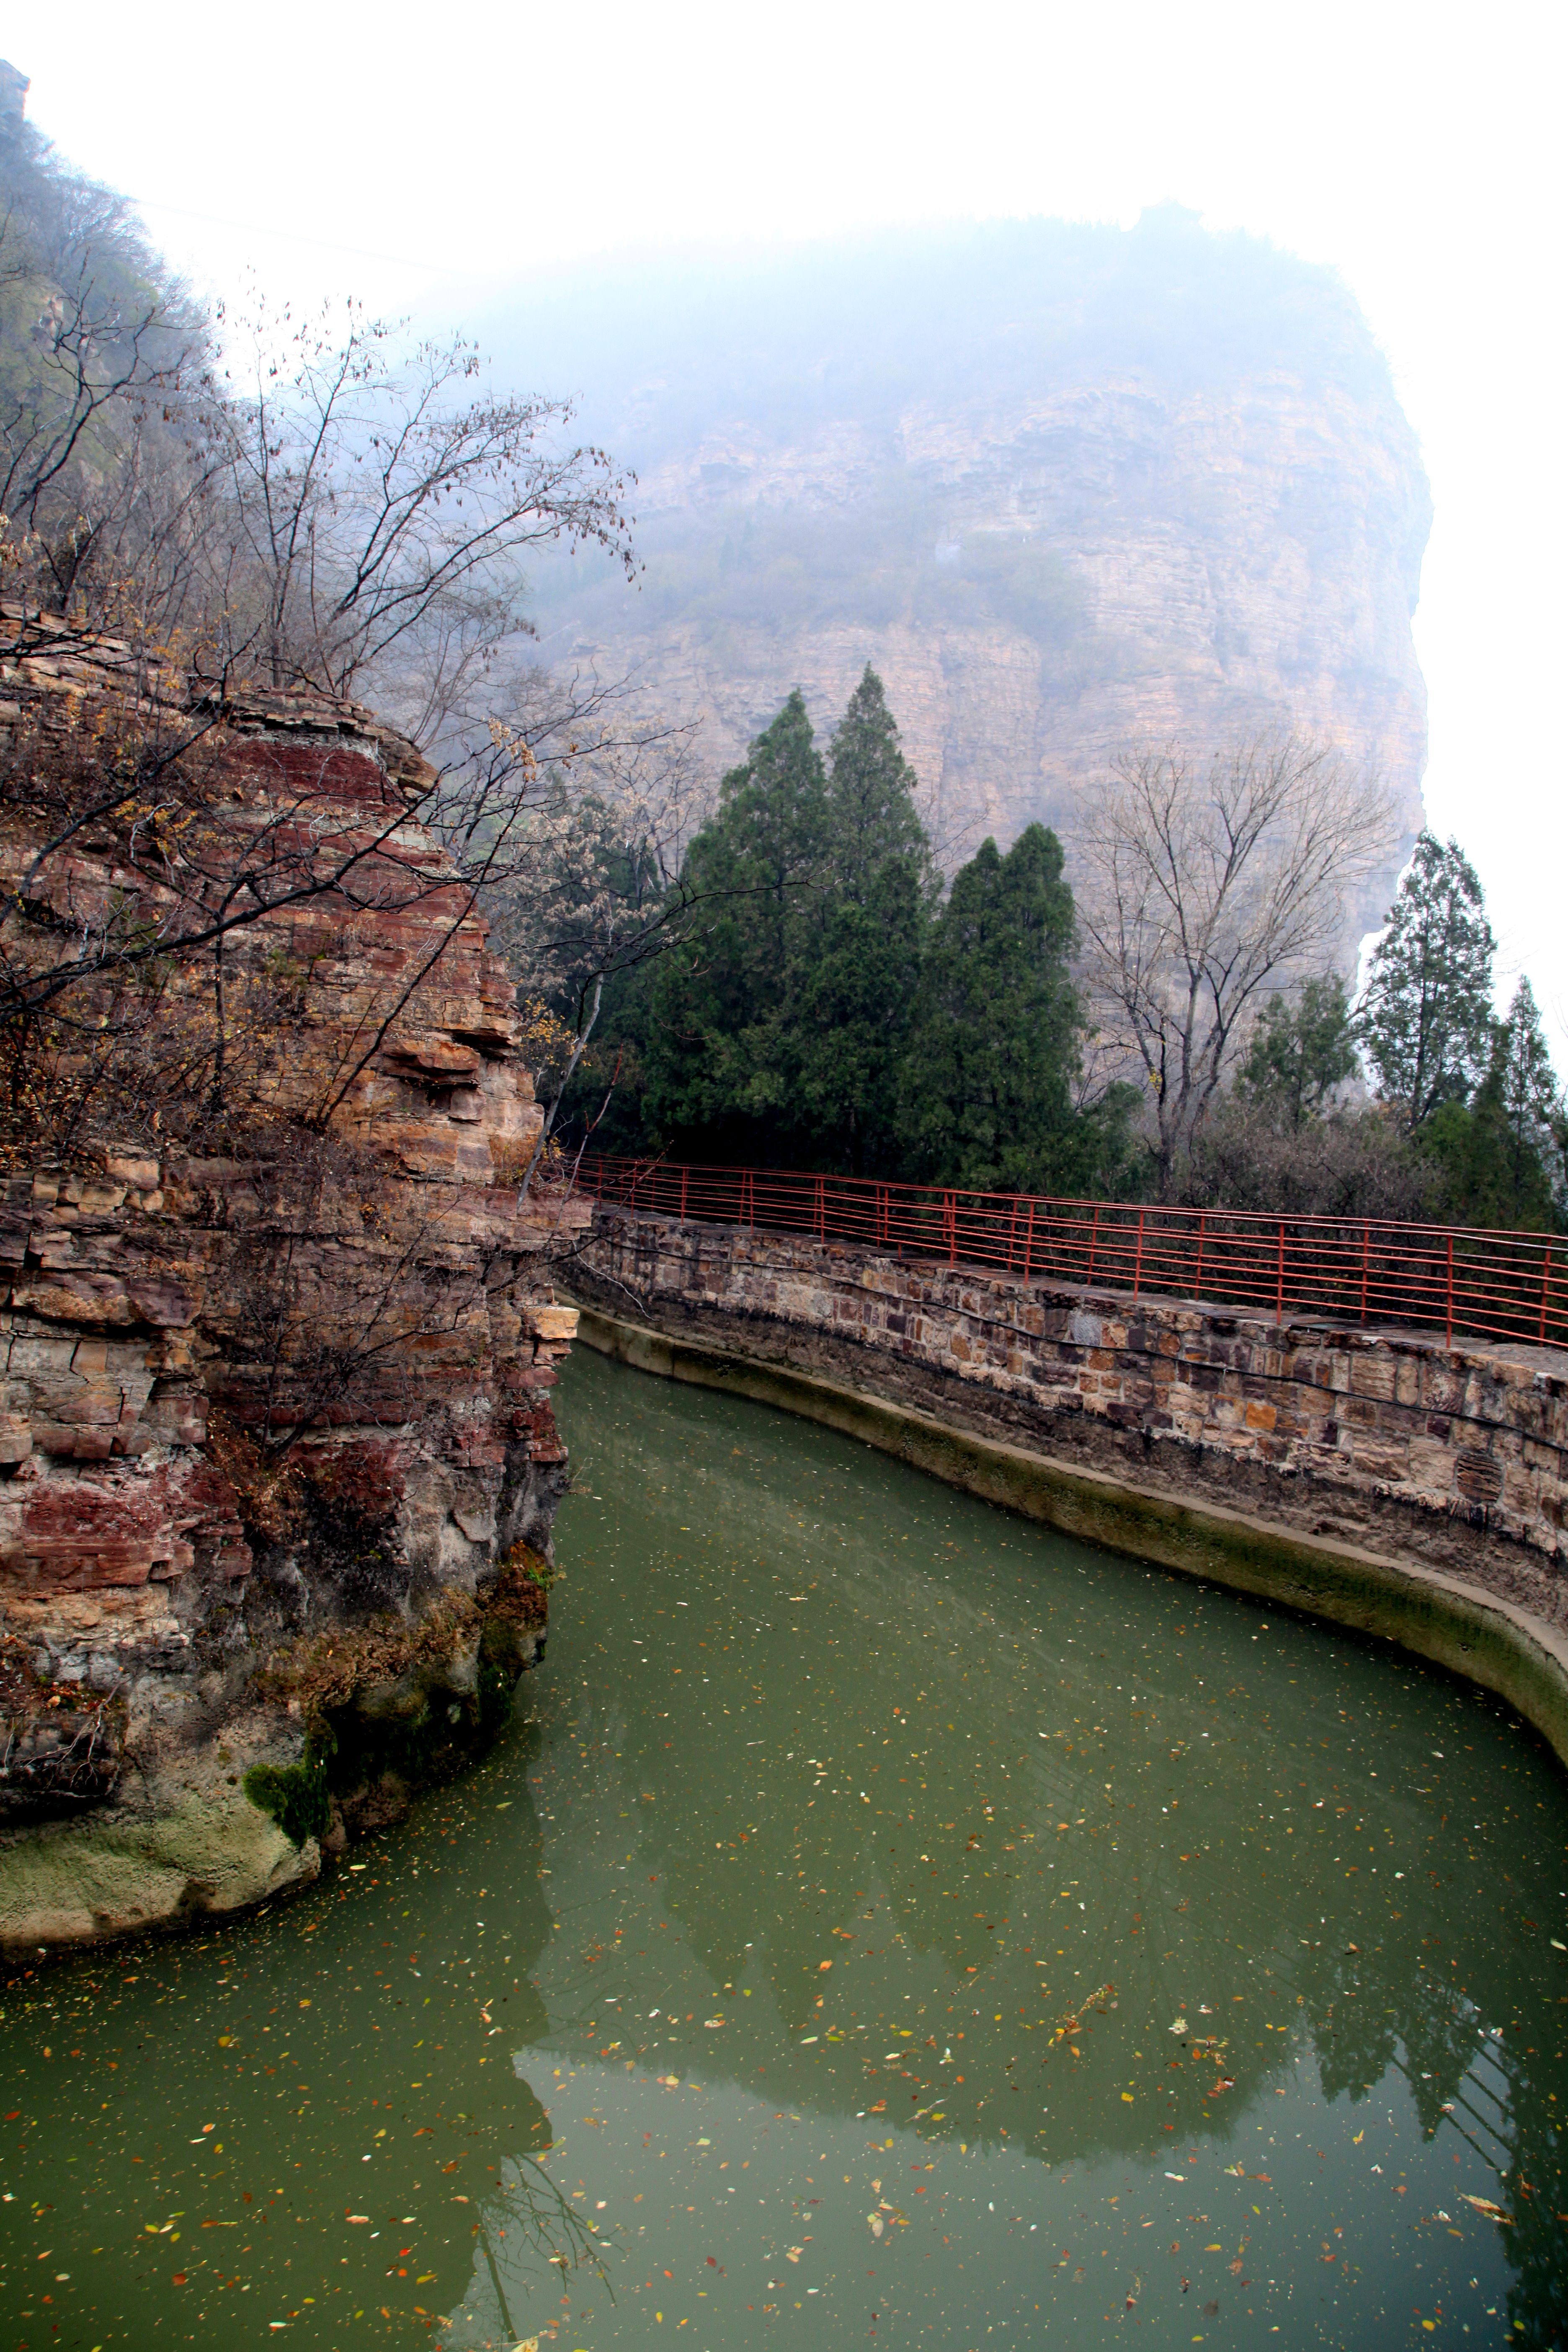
1226	561
1069	491
278	1465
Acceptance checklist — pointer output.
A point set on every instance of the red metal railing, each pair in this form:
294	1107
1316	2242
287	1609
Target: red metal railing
1495	1285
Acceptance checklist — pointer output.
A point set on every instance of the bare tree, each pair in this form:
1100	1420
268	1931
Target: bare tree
381	507
95	339
1206	882
175	920
593	886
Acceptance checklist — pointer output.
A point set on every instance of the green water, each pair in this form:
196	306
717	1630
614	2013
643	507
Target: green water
895	1924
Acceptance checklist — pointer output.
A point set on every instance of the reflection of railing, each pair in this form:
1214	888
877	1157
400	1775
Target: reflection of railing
1496	1286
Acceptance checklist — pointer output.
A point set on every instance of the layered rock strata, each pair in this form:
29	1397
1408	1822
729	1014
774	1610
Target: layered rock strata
278	1463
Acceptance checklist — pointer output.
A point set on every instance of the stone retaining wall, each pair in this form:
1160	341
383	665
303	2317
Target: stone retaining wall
1401	1446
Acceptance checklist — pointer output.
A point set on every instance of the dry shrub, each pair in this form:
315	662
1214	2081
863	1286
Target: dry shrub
327	1671
1351	1164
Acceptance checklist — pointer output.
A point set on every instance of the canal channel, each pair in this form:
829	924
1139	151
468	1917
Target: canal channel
885	1921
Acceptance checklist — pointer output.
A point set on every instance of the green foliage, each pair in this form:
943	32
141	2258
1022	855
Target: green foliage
1425	1019
1525	1081
298	1796
991	1089
1497	1153
777	1031
1300	1053
1477	1096
829	1011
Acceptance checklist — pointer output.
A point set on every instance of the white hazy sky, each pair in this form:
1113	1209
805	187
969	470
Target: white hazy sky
384	151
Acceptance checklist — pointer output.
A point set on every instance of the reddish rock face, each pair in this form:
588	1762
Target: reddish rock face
294	1387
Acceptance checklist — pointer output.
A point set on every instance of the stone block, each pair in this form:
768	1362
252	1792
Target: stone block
30	1358
548	1322
176	1420
133	1169
100	1198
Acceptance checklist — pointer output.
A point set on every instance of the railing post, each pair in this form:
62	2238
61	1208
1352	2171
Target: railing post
685	1178
821	1210
1545	1289
1093	1243
1138	1256
950	1214
1279	1278
1365	1266
1451	1329
1029	1240
1198	1287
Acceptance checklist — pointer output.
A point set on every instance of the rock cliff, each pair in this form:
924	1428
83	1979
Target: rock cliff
1068	489
278	1465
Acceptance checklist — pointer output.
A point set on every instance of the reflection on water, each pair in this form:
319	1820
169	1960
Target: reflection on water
900	1923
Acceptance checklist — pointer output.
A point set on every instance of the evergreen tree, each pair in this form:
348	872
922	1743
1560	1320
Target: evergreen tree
714	1024
779	1033
852	977
1300	1053
996	1052
1527	1085
1498	1151
872	815
1425	1019
825	1013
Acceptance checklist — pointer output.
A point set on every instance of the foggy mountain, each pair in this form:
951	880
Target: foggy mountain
1067	487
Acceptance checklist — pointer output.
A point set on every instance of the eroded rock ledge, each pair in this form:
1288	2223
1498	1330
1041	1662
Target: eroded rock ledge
278	1463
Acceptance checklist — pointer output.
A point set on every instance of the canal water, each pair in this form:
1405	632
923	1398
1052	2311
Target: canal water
885	1922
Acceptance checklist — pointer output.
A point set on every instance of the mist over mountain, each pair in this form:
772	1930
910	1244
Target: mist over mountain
1067	487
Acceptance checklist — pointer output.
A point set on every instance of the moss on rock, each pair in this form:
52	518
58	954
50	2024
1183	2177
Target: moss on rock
295	1795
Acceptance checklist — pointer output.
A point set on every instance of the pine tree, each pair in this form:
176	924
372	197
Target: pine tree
872	816
780	1034
1498	1151
997	1051
1528	1100
713	1021
1425	1019
850	986
1300	1053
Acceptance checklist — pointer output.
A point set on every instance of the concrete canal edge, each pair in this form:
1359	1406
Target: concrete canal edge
1492	1641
